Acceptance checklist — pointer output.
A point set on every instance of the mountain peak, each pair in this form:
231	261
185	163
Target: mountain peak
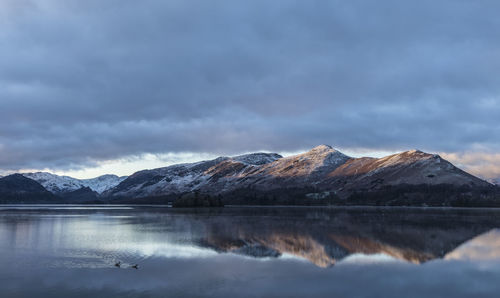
414	151
325	153
319	159
59	184
322	148
406	157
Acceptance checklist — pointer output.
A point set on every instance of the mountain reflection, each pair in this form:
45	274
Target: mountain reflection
249	252
96	238
327	237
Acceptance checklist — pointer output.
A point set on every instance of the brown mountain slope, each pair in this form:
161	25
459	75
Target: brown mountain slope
320	170
410	167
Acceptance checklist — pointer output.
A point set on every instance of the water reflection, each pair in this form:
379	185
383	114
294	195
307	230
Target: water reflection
249	252
483	247
329	236
92	237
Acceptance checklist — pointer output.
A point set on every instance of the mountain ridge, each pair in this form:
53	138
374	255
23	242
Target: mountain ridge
65	184
322	168
321	175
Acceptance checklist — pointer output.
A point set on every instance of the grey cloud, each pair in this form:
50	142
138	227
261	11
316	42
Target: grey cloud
83	81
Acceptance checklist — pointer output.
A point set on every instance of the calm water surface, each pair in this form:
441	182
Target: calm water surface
70	251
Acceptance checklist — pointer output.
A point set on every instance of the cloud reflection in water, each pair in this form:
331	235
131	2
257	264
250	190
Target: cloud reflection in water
287	252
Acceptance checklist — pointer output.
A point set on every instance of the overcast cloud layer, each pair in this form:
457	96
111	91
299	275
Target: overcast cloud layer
86	81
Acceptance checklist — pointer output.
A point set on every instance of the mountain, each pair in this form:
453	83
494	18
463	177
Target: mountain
410	167
295	171
18	189
81	195
65	184
264	171
320	176
316	176
182	178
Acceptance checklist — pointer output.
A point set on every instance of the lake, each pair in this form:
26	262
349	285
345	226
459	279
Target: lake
71	251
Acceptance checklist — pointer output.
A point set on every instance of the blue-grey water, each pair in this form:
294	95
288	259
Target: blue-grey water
71	251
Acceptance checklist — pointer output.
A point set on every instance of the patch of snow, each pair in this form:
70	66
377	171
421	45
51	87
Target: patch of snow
257	158
102	183
57	184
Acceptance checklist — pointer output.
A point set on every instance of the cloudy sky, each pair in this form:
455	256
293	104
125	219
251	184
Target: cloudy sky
95	86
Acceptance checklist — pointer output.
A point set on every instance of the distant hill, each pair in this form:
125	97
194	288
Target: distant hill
18	189
82	195
65	184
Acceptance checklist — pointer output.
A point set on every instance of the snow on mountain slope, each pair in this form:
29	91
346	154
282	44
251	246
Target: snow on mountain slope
265	170
300	170
183	177
323	167
54	183
257	158
102	183
60	184
315	162
186	177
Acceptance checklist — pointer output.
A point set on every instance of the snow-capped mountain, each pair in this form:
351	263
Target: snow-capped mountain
322	168
102	183
268	178
187	177
300	170
62	184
